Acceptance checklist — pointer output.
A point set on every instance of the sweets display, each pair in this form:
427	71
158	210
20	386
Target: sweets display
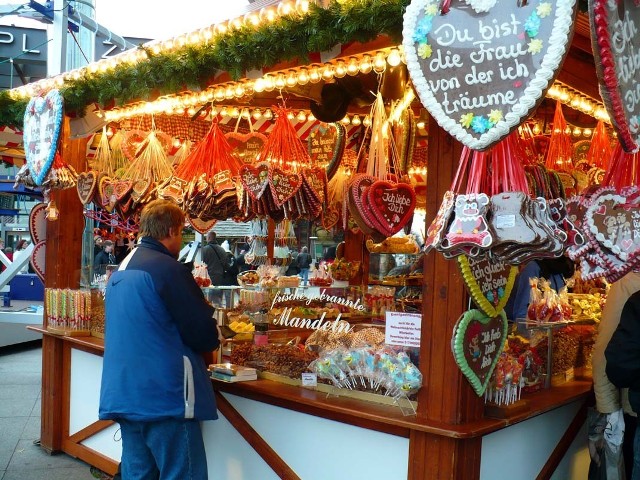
545	305
403	244
292	281
287	360
254	298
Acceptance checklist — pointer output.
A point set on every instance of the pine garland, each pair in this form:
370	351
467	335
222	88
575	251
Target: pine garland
194	67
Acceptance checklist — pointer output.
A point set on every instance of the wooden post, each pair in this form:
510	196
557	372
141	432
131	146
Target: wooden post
62	270
446	395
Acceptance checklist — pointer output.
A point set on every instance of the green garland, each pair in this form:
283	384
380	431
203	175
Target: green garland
194	67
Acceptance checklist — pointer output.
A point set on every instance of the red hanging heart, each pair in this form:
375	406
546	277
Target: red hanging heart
614	25
200	225
358	209
392	205
254	179
330	218
246	146
284	185
315	180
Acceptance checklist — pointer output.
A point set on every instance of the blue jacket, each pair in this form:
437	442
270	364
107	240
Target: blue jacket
157	324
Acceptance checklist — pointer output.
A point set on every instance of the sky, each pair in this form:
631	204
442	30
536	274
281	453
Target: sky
152	19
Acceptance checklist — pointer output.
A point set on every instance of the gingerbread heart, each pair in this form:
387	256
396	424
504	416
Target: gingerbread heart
140	189
478	341
392	205
38	259
254	179
614	226
283	185
106	193
200	225
315	180
330	218
488	281
122	188
86	186
246	147
480	75
325	145
42	125
358	209
614	28
38	223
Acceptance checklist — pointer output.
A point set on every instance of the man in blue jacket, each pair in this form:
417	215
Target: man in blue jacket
154	381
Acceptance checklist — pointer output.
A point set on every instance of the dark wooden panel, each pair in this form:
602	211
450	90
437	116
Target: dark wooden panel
51	403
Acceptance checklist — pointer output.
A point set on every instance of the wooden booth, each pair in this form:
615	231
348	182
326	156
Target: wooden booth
304	62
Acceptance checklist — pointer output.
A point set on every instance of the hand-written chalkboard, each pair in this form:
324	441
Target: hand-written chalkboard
615	30
480	74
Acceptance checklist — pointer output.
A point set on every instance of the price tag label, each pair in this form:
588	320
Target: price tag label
309	379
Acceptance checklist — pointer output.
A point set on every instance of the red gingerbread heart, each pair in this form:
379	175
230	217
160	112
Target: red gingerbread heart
358	208
330	218
246	146
392	205
612	26
254	179
199	225
315	180
284	185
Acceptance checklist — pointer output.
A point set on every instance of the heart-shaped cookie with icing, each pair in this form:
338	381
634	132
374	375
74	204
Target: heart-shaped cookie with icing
325	145
283	185
246	146
254	179
478	341
615	27
86	186
42	125
392	205
489	282
481	74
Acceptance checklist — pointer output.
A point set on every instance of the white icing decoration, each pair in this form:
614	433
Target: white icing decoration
558	44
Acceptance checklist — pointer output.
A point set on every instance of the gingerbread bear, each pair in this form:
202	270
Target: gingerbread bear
469	226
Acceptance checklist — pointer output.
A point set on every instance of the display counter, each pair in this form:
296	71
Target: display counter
295	429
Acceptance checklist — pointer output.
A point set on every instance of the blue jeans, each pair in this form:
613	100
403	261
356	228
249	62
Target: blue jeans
163	450
304	274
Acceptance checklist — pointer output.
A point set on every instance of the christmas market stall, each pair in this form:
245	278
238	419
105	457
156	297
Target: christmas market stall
425	153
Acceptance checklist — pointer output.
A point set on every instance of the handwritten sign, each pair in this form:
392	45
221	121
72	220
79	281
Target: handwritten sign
246	146
616	28
403	329
480	74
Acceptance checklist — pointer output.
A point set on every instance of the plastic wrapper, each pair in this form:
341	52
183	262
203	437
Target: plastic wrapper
201	276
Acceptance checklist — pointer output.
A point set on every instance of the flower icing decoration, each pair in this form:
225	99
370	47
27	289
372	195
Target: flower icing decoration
544	10
480	124
532	25
424	50
495	116
466	119
431	10
535	46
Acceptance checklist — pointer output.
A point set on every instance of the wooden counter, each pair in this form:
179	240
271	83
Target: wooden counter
383	418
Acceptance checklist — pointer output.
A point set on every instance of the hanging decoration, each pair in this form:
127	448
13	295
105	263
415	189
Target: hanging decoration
284	184
559	155
42	125
379	203
325	144
608	217
492	68
478	341
246	147
149	159
614	30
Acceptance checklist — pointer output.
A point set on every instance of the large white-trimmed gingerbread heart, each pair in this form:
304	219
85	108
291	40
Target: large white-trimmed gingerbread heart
42	125
476	344
481	74
615	29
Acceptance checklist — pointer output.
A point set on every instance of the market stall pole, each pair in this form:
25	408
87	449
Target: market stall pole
63	254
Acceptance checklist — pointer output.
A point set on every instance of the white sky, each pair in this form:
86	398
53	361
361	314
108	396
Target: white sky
153	19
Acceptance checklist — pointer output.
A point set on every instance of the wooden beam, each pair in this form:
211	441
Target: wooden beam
268	454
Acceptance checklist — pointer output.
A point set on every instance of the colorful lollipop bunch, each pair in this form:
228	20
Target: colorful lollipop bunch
368	369
506	381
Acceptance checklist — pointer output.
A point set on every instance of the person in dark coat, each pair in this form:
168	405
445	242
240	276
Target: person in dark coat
103	258
155	382
216	259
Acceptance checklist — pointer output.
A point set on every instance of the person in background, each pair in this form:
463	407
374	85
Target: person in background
97	244
104	258
304	263
21	247
241	262
293	269
154	380
555	270
216	259
609	398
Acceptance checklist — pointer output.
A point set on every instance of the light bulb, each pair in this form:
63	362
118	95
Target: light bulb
340	70
302	7
379	64
269	83
229	92
292	80
290	115
352	67
356	120
587	132
268	114
257	114
224	111
327	72
252	19
258	85
303	77
365	64
284	8
345	120
314	75
219	94
577	132
301	117
280	81
367	121
239	91
394	58
420	125
311	117
235	112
